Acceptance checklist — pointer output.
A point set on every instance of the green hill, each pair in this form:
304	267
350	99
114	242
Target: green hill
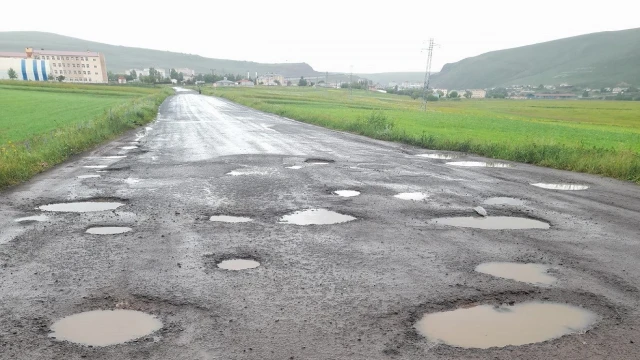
121	58
599	59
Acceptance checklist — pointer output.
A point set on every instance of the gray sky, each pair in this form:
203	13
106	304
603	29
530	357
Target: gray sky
371	36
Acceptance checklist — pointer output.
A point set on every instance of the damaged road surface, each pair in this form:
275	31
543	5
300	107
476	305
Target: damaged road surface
222	235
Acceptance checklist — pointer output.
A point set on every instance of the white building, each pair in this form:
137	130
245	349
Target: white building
271	79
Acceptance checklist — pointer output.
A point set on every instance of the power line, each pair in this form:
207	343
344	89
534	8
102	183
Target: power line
427	74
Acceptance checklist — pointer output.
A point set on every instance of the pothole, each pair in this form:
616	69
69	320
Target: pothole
82	206
347	193
131	147
416	196
316	217
108	230
247	172
88	176
504	201
319	161
492	222
238	264
114	157
529	273
105	327
566	187
479	164
439	156
33	218
294	167
95	166
229	219
487	326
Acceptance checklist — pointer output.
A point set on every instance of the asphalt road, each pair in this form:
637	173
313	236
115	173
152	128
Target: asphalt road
345	291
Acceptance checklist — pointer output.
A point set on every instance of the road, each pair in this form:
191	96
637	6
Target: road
351	290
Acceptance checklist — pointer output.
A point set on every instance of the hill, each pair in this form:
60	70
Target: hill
598	59
121	58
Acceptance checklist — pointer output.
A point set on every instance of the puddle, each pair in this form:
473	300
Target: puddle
238	264
84	206
108	230
439	156
239	173
295	167
113	157
529	273
569	187
487	326
347	193
129	147
131	181
229	219
317	161
492	222
316	217
411	196
504	201
105	327
479	164
33	218
88	176
95	166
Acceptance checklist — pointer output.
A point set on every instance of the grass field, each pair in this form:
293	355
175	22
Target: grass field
42	124
599	137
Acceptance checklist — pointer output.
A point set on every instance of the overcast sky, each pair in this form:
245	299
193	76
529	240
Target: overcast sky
371	36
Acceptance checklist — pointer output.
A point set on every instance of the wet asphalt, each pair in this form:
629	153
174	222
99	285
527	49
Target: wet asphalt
352	290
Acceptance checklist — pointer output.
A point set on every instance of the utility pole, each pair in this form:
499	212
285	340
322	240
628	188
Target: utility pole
427	74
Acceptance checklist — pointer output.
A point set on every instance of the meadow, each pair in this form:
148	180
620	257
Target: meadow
598	137
42	124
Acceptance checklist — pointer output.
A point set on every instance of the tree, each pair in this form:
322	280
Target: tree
302	81
288	83
60	78
468	94
453	94
277	82
540	87
440	93
12	74
111	76
133	74
173	74
585	94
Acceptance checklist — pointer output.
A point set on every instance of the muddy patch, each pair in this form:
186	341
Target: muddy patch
416	196
347	193
479	164
238	264
439	156
492	222
316	217
82	206
564	187
504	201
108	230
38	218
105	327
229	219
88	176
529	273
487	326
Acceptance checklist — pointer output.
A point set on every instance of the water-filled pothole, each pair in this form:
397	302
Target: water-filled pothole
95	166
316	217
131	147
238	264
487	326
114	157
319	161
82	206
294	167
105	327
411	196
529	273
566	187
108	230
229	219
439	156
504	201
88	176
347	193
33	218
479	164
492	222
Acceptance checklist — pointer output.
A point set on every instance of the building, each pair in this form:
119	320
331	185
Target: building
75	66
25	69
122	80
187	73
224	82
245	82
271	79
555	96
477	93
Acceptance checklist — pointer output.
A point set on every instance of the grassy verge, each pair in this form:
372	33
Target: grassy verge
45	136
593	137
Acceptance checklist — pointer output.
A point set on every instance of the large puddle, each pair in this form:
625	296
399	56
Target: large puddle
529	273
492	222
439	156
347	193
504	201
487	326
131	147
33	218
411	196
479	164
105	327
108	230
88	176
294	167
95	166
316	217
83	206
229	219
566	187
238	264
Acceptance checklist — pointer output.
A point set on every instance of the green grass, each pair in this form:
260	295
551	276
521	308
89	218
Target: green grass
42	124
598	137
